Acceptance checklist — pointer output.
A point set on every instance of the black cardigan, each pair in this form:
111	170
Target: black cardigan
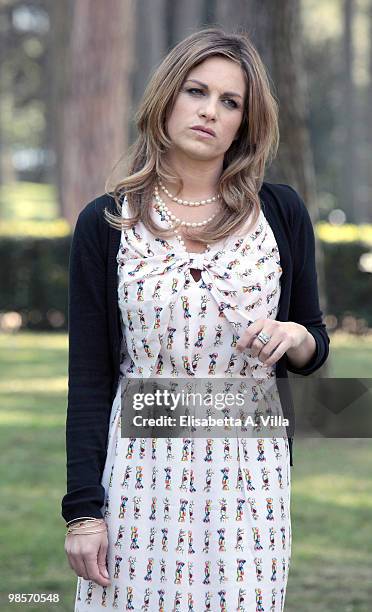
95	331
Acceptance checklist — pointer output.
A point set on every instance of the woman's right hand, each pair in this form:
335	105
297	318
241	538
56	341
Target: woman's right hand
86	555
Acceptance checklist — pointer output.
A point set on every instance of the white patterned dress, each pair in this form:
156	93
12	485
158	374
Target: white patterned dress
195	524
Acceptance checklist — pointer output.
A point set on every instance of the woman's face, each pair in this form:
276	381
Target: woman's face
209	103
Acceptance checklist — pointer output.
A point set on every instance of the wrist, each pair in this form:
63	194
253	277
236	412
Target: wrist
87	526
301	354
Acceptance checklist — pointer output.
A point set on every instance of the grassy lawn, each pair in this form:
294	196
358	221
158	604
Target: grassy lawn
331	488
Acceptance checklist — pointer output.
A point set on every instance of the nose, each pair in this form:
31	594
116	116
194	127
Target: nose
209	109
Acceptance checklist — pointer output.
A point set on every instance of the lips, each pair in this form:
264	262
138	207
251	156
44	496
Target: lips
201	128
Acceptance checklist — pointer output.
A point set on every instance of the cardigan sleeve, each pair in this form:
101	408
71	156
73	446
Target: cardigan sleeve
89	370
304	300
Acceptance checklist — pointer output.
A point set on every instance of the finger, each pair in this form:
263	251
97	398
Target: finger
261	350
101	561
277	354
75	558
90	561
276	351
249	334
80	568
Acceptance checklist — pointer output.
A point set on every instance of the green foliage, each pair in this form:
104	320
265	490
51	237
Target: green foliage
348	289
34	279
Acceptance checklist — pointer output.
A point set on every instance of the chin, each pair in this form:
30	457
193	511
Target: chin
201	151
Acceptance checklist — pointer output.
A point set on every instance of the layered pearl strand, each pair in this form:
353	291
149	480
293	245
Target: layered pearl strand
188	202
171	218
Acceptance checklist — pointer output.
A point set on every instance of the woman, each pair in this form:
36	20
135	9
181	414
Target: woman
194	522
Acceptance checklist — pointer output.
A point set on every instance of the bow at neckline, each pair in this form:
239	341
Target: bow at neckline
170	268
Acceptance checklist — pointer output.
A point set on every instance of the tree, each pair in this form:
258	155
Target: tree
97	99
349	164
60	33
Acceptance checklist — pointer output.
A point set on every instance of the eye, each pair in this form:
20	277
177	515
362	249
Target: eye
193	89
234	104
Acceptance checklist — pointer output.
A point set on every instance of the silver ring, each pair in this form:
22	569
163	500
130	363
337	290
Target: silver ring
263	337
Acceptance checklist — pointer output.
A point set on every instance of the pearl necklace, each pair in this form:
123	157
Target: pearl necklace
188	202
169	216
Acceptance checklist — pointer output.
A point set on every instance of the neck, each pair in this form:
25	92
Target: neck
200	178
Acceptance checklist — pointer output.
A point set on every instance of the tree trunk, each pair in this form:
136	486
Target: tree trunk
368	123
349	114
96	109
187	17
60	36
151	43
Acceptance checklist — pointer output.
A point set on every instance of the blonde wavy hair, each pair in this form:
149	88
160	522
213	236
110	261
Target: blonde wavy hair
244	162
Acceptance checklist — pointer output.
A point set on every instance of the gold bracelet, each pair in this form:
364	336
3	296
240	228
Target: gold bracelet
91	521
82	518
83	530
84	526
68	532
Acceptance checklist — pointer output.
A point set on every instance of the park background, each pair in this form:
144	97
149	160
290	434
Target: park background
71	76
